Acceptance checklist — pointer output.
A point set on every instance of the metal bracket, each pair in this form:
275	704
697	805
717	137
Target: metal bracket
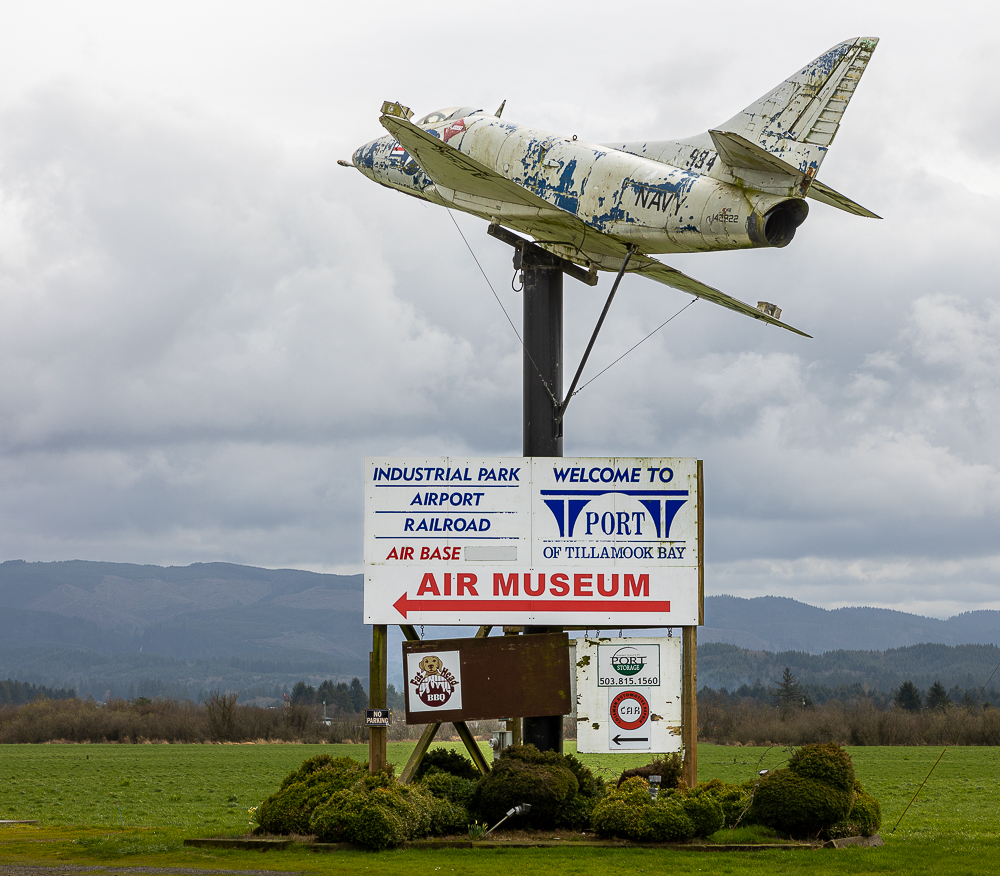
528	254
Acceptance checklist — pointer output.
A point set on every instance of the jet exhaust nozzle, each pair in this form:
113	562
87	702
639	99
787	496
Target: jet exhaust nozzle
777	226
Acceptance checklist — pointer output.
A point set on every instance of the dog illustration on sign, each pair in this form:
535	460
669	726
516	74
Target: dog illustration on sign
435	684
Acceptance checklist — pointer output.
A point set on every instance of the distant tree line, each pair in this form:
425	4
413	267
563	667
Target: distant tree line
341	698
907	696
791	713
16	693
844	675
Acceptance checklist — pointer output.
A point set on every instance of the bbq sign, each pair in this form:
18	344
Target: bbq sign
434	681
461	540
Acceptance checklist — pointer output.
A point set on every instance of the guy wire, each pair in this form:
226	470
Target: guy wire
630	349
924	782
504	309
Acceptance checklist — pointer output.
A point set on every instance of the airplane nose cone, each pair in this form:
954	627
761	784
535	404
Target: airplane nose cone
364	158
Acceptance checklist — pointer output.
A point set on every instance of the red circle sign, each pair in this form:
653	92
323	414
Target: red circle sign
629	715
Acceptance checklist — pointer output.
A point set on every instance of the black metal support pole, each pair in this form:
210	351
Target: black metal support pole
542	434
543	358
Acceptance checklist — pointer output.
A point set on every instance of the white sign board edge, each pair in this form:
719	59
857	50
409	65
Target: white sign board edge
597	730
575	541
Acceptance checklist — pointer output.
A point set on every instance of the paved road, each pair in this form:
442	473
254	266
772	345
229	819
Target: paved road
69	869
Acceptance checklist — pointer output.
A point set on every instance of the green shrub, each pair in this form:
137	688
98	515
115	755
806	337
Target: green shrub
668	768
523	774
704	811
290	808
798	805
324	763
668	821
620	812
864	819
589	785
378	817
560	789
628	813
447	760
827	763
449	817
734	800
448	787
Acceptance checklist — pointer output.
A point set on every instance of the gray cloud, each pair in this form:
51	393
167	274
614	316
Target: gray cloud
205	324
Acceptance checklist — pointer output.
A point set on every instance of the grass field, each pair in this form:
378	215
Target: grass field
134	805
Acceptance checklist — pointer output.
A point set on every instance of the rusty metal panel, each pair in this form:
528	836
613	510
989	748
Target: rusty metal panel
451	680
599	542
628	694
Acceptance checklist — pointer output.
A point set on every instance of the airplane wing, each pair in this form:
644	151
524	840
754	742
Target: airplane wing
448	167
671	277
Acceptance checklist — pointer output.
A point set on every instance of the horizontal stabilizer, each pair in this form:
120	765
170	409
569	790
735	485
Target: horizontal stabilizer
737	151
825	195
672	277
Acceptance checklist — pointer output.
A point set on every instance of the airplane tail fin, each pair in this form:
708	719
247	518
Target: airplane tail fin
798	120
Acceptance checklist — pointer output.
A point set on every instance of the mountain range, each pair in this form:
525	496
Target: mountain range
128	630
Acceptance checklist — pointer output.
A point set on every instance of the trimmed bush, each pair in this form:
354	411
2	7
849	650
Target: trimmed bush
620	812
452	797
734	800
704	811
379	817
540	779
448	787
449	817
864	819
323	763
827	763
560	789
668	821
798	805
290	808
628	813
447	760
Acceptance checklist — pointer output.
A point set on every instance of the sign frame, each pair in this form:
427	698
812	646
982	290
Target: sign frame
500	677
590	542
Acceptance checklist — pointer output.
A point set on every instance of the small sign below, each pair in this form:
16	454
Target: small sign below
378	717
628	694
451	680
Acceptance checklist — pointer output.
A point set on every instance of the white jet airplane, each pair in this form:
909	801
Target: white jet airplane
605	207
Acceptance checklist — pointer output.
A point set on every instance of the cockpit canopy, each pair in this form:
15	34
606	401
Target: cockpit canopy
446	115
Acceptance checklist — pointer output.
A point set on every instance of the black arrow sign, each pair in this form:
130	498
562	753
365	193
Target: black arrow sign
618	740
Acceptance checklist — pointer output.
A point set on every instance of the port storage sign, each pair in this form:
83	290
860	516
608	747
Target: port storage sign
566	541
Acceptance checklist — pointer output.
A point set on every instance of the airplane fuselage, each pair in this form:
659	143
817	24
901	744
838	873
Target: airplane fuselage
692	204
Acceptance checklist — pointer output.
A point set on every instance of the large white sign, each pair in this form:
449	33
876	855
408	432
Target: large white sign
598	542
628	694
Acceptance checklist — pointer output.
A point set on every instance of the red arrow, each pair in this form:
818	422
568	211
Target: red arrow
403	605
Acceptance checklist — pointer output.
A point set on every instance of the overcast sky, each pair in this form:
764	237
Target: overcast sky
206	324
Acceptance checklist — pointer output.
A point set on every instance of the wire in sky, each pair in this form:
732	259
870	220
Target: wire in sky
555	401
630	349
